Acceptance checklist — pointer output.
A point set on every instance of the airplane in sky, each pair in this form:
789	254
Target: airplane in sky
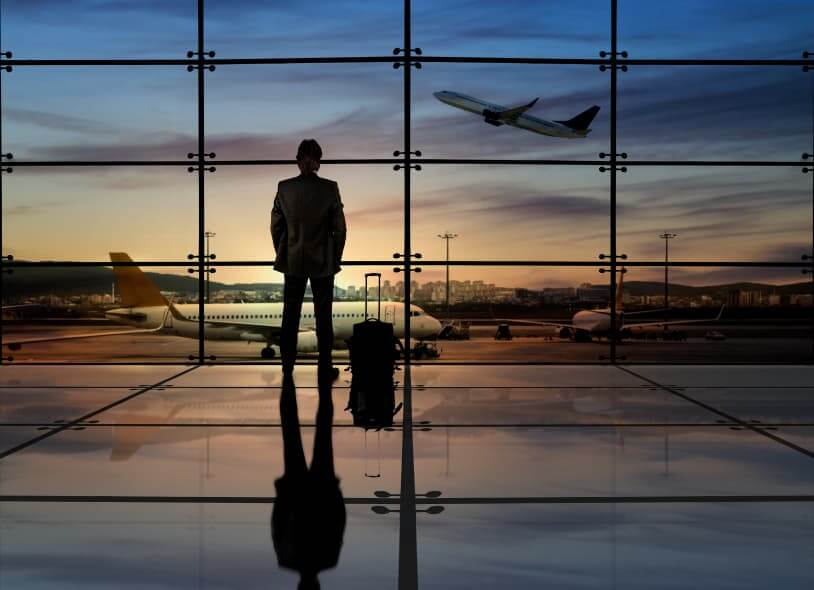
144	307
497	115
589	323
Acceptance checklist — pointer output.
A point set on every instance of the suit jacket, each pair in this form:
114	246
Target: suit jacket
308	226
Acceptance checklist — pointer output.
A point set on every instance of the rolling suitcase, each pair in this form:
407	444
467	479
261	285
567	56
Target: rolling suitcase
373	354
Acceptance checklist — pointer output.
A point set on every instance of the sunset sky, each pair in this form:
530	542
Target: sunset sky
355	110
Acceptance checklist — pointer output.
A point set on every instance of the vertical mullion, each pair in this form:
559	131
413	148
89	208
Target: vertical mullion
201	164
613	66
2	254
408	550
811	252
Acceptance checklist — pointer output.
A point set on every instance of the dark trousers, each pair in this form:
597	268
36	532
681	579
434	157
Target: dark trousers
293	294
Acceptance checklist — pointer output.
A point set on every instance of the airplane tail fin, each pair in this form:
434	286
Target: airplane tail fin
582	121
135	288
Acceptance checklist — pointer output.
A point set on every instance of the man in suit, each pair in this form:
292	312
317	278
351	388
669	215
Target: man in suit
308	230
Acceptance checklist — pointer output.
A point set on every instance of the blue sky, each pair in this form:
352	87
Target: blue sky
355	111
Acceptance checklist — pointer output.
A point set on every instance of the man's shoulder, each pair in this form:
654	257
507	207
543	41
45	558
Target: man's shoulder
289	181
328	182
300	179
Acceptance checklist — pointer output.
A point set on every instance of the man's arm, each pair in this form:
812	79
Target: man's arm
278	224
339	228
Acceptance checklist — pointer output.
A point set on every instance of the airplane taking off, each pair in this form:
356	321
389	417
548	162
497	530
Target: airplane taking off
498	115
589	323
145	307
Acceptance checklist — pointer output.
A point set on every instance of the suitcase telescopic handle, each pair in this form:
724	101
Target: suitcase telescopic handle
378	276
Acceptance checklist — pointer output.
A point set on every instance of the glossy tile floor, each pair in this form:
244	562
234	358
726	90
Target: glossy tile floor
538	477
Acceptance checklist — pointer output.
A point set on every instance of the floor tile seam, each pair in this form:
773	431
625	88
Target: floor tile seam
418	427
89	415
714	410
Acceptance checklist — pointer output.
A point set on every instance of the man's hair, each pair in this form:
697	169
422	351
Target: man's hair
309	149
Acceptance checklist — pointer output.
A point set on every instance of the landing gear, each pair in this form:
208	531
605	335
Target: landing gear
268	353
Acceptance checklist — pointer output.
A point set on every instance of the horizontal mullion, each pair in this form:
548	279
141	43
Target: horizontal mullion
398	262
422	161
187	163
414	58
395	499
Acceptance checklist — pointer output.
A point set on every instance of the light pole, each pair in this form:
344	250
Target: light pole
207	235
447	237
666	236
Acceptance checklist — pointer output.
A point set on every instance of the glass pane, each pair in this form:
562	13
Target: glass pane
100	113
517	314
718	315
85	213
697	29
715	113
343	27
263	112
716	213
239	200
246	306
453	124
51	310
52	29
557	28
510	212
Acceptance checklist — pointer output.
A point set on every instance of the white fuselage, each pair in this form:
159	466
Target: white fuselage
528	122
596	321
248	320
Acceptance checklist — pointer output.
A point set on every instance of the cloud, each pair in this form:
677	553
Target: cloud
20	210
58	121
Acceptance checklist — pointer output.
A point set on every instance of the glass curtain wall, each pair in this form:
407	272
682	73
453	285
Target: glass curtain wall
142	144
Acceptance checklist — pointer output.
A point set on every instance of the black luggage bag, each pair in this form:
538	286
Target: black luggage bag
373	353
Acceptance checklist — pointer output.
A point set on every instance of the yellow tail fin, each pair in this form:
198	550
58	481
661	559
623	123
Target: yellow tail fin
135	288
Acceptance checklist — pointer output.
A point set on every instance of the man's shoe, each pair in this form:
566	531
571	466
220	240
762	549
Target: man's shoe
331	373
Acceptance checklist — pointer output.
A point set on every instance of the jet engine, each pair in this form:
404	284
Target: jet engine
582	336
307	342
566	333
492	118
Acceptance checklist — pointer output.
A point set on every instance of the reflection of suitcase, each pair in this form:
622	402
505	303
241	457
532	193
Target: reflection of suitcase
373	354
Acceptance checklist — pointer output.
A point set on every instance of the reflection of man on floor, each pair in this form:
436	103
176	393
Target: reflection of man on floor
308	230
308	519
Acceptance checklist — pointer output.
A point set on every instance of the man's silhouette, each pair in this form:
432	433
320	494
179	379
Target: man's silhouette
308	519
308	230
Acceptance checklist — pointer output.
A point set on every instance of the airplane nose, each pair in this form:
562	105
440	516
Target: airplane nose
440	94
436	326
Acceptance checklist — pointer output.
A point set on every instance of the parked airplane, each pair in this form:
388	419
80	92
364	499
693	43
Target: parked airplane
145	307
498	115
590	323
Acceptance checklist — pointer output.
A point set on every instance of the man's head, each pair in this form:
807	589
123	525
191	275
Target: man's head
308	156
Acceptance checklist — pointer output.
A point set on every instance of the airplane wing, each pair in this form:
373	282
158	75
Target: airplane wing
532	323
511	115
21	306
675	322
17	344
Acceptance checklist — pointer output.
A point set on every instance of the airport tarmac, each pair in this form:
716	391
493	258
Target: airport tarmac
792	348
